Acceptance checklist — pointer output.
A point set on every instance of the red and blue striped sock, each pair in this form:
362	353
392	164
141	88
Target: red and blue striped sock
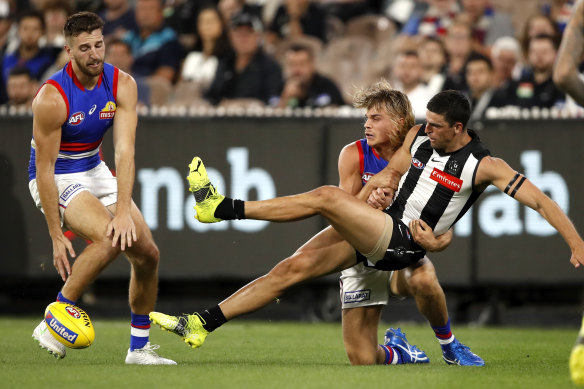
392	356
140	331
444	333
64	299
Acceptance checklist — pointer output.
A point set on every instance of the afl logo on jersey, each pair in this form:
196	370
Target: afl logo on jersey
366	176
109	111
417	164
76	118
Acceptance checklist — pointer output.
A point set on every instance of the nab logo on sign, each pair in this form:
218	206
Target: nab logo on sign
76	118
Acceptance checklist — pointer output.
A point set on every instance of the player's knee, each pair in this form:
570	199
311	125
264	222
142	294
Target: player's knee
289	271
148	256
325	195
424	284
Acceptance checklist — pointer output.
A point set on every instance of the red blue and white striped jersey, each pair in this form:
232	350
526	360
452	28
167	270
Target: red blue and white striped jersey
90	113
370	163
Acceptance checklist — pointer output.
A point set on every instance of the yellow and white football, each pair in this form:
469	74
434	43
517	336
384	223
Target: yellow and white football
69	324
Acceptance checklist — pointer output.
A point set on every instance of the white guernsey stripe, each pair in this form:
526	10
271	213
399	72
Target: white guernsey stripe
140	332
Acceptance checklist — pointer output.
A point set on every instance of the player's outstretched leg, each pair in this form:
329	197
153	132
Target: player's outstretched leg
189	327
206	195
577	359
409	353
456	353
47	341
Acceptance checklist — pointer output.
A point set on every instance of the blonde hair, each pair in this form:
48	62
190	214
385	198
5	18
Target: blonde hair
396	104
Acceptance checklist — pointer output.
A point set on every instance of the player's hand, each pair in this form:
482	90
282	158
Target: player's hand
122	227
387	178
577	258
62	246
381	198
423	235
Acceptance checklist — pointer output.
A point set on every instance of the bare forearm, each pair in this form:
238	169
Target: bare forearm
125	173
558	219
49	200
566	70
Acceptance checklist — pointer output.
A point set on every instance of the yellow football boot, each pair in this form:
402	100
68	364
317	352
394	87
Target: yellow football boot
206	195
189	327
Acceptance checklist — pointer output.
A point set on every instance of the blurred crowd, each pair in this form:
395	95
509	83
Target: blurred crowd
300	53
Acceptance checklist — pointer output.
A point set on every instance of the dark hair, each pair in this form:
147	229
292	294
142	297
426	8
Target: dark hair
117	41
82	22
451	104
476	57
34	14
20	71
297	47
525	33
221	46
547	37
56	5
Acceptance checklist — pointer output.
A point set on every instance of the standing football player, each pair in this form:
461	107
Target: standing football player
75	189
568	78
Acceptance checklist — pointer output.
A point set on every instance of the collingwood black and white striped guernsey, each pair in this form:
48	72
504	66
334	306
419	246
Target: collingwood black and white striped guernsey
438	188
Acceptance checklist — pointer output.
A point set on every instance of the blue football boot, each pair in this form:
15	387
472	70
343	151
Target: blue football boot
409	353
456	353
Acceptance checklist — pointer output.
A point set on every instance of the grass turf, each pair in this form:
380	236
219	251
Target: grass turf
246	354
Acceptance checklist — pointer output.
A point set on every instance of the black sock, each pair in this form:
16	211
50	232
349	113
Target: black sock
230	209
213	318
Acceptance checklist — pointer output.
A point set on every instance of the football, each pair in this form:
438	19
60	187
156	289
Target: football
70	325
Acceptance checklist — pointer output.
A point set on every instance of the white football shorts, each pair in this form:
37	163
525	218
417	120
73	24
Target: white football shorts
99	181
363	286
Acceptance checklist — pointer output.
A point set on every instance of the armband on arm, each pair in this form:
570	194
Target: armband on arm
512	182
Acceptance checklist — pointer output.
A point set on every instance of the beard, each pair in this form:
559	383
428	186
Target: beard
91	72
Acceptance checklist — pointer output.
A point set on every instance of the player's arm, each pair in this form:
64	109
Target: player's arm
566	75
122	226
381	187
424	236
50	112
497	172
349	169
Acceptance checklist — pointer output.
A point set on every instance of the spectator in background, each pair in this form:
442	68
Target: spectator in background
459	47
21	87
303	86
559	11
212	44
433	58
119	54
506	58
56	13
538	24
230	8
31	27
536	86
434	20
296	18
6	29
479	78
249	73
487	24
155	47
118	17
407	77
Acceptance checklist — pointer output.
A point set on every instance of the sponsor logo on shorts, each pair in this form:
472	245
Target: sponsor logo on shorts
69	191
357	296
60	329
76	118
417	164
73	312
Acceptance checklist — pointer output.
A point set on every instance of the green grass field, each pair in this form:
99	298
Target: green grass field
246	354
